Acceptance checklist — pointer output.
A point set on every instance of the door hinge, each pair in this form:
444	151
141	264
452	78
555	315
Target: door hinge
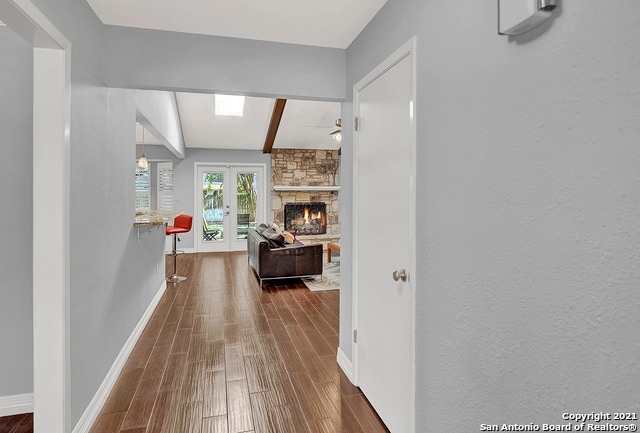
356	124
355	335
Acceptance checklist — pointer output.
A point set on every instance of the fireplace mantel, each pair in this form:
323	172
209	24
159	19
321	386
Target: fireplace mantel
306	188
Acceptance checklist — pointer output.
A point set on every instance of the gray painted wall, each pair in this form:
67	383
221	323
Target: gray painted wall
183	175
151	59
113	276
16	212
528	241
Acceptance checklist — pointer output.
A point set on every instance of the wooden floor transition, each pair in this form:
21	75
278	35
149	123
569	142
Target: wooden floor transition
222	355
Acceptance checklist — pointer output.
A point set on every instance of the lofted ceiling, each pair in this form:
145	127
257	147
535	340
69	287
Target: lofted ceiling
304	124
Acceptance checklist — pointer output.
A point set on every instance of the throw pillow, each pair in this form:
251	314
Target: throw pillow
271	235
289	237
277	228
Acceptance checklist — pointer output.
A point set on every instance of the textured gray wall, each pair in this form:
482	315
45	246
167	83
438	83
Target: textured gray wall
151	59
528	242
113	276
16	214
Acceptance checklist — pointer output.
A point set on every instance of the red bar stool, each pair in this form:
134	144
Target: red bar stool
181	224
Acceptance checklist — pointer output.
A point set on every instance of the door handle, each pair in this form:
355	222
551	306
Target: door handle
400	275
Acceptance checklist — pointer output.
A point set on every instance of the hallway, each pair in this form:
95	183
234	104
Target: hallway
221	355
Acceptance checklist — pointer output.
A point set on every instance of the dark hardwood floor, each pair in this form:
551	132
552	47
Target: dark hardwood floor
222	355
17	423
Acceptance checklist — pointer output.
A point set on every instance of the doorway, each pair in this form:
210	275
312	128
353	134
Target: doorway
229	199
383	279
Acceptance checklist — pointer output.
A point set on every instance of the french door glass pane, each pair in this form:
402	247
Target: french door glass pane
246	205
212	206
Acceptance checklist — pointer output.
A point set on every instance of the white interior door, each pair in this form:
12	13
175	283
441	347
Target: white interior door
384	228
229	200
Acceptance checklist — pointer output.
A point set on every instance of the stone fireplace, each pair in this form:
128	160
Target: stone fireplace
301	177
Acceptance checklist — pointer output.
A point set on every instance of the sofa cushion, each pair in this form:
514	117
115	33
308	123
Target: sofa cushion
274	238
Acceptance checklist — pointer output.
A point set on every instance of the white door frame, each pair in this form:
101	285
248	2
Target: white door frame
197	196
409	48
51	144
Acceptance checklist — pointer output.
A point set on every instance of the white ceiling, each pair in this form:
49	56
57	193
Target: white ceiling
202	128
326	23
304	124
307	125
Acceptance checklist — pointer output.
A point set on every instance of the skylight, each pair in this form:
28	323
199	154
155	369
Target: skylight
229	105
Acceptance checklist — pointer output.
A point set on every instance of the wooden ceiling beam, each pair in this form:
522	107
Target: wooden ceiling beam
276	117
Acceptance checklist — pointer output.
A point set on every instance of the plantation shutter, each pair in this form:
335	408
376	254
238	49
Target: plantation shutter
143	193
165	186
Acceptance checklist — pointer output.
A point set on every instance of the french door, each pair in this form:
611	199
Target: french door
229	200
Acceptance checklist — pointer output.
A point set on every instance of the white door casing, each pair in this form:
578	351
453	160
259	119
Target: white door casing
384	233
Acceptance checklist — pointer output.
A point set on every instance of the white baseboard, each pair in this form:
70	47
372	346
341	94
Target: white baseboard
16	404
90	415
345	364
184	250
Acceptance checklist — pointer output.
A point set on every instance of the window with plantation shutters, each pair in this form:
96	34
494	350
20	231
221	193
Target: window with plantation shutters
143	192
165	186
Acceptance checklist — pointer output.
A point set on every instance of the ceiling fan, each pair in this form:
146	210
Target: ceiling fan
337	134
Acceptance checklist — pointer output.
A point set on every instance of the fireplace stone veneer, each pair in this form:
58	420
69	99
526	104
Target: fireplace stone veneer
297	177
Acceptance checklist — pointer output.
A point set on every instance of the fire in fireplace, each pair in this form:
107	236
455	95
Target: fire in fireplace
305	218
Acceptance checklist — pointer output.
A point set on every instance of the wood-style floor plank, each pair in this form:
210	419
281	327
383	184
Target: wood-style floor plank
108	422
216	424
238	407
222	355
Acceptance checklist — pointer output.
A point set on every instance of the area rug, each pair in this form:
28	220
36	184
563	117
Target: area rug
330	278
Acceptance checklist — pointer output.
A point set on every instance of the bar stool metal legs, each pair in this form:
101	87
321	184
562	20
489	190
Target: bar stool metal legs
175	278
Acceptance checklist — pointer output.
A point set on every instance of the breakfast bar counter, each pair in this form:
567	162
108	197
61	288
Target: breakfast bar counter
154	218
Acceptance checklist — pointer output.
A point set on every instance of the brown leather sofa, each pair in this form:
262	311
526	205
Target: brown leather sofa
288	261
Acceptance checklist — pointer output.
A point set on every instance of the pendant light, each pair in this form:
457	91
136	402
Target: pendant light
143	163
